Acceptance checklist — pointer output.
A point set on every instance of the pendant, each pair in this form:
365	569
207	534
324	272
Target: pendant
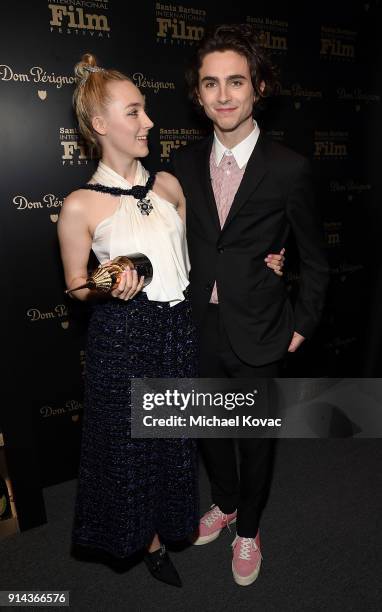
145	206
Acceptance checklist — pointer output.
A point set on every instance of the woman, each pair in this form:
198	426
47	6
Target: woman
130	491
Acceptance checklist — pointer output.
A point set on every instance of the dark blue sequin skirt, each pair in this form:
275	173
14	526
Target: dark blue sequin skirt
131	488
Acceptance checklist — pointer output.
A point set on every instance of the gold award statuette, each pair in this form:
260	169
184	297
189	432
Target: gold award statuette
106	277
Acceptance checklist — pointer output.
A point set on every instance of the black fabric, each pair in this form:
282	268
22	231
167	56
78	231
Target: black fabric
245	490
131	488
275	197
137	191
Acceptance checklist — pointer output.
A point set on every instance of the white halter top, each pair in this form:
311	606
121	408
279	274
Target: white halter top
160	235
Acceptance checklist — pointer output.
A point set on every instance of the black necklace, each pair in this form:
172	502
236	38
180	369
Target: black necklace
139	192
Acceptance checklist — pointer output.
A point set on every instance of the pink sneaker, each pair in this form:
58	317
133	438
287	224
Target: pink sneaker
211	525
246	559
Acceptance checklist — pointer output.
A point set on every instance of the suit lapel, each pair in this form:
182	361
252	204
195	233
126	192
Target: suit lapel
254	173
203	171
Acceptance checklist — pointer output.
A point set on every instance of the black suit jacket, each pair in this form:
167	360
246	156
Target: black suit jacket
275	196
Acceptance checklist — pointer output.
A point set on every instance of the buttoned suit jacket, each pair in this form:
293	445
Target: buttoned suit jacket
274	198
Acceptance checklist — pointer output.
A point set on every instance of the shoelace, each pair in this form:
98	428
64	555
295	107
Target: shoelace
215	514
245	548
212	516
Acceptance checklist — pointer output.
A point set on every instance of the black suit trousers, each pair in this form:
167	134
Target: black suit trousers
247	489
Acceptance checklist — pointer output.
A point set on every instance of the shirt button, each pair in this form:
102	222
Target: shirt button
221	250
228	152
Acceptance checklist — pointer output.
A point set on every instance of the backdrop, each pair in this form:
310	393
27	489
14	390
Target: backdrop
329	109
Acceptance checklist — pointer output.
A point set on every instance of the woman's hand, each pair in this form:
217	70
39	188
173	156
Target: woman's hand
129	285
276	262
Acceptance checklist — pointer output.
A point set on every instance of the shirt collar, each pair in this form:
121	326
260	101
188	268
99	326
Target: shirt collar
242	151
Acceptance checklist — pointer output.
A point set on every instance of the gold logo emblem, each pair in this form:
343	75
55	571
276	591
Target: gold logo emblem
331	144
142	81
272	33
58	312
72	407
42	94
337	43
76	20
35	74
333	46
74	150
173	138
178	24
49	201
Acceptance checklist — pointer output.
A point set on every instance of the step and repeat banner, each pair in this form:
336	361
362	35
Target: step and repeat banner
329	109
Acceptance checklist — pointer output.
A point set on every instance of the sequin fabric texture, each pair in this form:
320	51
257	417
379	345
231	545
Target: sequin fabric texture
130	488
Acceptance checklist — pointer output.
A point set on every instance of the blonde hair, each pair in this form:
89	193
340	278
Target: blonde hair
91	95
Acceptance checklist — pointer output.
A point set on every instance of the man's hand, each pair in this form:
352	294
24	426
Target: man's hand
296	341
276	262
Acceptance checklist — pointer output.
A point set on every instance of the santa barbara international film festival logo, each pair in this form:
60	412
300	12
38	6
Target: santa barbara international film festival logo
272	33
38	315
179	25
333	233
277	135
79	17
337	43
74	151
35	75
331	145
173	138
49	202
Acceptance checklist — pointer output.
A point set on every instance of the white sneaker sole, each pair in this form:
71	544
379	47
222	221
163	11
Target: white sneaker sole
210	538
246	580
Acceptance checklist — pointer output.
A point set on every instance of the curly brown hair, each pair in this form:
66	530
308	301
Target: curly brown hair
242	38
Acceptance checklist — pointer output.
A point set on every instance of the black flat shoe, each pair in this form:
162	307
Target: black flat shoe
161	567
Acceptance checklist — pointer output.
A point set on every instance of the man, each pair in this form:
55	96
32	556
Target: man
244	195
